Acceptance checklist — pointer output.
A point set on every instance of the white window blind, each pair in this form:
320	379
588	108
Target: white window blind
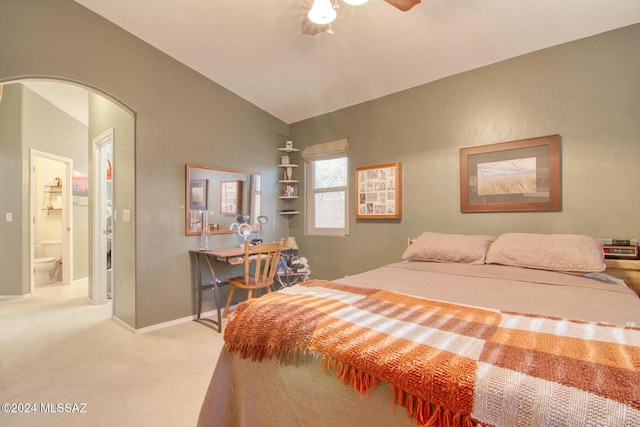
326	150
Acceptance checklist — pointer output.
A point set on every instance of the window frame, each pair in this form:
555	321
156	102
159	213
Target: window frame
310	193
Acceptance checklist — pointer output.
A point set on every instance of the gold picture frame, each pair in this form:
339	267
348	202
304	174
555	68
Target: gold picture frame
379	191
515	176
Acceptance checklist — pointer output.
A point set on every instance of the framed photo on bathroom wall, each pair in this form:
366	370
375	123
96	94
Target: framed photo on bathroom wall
198	192
514	176
379	191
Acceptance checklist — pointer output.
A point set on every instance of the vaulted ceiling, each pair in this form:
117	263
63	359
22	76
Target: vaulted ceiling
257	50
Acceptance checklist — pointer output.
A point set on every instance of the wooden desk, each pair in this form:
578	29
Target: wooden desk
232	255
627	270
204	259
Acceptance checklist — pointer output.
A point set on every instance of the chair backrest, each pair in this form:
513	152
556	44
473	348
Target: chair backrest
261	262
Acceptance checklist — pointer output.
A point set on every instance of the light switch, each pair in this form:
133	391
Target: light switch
126	215
9	217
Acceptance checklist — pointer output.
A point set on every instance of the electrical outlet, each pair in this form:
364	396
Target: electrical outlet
9	216
126	215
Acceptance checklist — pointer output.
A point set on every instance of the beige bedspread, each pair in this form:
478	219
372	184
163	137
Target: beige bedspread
251	393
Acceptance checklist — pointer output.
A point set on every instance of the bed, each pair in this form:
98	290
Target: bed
522	329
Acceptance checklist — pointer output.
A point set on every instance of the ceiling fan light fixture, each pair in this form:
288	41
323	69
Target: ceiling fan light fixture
355	2
322	12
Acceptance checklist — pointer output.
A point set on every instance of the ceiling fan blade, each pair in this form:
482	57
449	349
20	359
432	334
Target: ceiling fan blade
403	5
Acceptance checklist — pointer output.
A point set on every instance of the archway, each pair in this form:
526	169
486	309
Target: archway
53	102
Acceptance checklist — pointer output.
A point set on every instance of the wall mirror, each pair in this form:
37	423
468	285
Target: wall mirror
216	197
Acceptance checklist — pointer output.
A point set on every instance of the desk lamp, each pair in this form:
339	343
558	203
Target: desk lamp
290	244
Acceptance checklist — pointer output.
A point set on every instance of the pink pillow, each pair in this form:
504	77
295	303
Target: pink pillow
567	253
448	248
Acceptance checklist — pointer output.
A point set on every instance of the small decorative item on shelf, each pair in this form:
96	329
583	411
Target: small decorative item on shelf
288	144
284	160
58	182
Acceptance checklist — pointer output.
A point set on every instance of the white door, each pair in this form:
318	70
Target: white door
102	265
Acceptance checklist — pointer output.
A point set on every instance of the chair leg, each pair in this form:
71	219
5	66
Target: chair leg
226	307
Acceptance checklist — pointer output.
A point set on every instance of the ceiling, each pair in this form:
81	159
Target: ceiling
256	49
72	99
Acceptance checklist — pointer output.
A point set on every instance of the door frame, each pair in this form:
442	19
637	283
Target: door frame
67	216
99	241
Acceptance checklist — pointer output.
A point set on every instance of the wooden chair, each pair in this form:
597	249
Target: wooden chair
260	265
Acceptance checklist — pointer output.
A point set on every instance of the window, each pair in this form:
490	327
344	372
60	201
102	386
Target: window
327	188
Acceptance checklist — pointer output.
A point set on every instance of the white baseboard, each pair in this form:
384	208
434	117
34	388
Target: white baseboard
211	313
11	297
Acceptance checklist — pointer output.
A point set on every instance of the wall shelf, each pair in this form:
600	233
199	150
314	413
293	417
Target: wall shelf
48	202
288	185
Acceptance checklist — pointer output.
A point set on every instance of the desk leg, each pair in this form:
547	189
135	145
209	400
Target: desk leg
215	285
216	292
200	284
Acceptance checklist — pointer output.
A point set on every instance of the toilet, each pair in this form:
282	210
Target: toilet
47	266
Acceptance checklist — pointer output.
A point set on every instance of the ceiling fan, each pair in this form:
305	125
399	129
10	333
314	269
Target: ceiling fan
321	13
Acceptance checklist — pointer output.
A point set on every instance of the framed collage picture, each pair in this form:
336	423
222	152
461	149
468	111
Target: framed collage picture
230	197
379	191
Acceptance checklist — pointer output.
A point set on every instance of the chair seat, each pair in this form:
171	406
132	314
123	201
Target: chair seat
260	265
252	284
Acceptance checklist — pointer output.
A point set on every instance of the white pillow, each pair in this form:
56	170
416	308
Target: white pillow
567	253
448	248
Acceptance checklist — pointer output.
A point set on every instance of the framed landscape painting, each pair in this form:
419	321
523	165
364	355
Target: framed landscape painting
515	176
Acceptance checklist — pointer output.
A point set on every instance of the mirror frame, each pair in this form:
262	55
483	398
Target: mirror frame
187	192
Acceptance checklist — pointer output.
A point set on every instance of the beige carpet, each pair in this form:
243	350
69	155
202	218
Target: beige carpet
57	348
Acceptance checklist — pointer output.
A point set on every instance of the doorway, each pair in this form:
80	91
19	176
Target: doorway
102	199
50	227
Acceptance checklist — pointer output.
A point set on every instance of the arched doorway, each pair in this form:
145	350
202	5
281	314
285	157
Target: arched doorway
47	113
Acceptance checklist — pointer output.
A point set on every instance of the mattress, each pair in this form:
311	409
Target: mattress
243	392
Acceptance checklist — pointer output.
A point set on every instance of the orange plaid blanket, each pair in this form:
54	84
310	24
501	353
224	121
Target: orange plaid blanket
450	364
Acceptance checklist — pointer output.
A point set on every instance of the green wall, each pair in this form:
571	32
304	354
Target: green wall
12	245
181	117
105	115
588	91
